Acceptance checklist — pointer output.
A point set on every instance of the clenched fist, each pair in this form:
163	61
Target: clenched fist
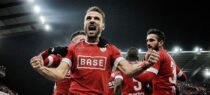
152	57
37	63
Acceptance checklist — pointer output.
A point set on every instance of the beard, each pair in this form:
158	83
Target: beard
156	47
94	35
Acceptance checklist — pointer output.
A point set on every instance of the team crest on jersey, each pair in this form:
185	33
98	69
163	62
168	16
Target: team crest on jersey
103	49
91	62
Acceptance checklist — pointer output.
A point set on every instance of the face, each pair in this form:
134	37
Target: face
78	38
152	42
93	24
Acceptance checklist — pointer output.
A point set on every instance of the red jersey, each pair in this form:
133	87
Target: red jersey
131	86
166	75
111	84
52	60
91	67
62	86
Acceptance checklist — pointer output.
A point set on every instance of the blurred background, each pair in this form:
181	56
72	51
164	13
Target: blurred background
28	27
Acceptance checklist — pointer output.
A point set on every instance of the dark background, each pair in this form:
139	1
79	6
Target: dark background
185	23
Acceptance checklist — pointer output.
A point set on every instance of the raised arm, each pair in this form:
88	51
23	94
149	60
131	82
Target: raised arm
135	69
53	74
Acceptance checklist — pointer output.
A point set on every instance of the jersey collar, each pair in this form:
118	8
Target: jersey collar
91	43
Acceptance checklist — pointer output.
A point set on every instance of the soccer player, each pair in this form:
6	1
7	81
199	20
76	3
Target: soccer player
165	72
62	86
91	61
53	58
115	75
128	85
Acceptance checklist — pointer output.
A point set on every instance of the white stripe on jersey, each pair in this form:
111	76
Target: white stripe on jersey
66	60
153	70
180	73
50	60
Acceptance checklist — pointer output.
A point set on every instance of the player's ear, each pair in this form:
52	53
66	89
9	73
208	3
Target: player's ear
161	43
103	26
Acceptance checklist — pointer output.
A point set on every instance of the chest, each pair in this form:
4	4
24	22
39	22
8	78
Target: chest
92	57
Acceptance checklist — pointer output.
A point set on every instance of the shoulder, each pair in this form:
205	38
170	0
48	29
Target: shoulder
111	46
74	45
163	54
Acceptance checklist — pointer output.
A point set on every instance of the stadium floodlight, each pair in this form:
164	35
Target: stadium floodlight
139	50
201	49
42	18
207	73
36	9
177	49
47	27
198	50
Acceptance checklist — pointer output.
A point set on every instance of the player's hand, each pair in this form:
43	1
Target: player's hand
152	57
62	51
146	57
37	63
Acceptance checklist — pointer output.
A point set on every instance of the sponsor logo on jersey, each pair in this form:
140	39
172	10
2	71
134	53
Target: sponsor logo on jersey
91	62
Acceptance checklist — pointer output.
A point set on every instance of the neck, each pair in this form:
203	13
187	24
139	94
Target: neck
92	39
161	47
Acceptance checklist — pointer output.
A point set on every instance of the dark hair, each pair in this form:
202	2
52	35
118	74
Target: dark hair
97	9
132	54
160	34
80	32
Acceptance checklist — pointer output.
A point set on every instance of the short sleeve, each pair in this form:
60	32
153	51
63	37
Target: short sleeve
69	56
116	56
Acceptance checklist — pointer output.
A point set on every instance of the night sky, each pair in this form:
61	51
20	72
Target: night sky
185	24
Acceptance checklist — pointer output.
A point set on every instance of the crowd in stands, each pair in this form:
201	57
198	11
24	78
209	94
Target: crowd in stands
190	88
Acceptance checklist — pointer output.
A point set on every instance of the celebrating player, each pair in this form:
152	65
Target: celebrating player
165	72
91	61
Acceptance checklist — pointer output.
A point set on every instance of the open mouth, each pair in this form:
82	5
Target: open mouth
92	28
